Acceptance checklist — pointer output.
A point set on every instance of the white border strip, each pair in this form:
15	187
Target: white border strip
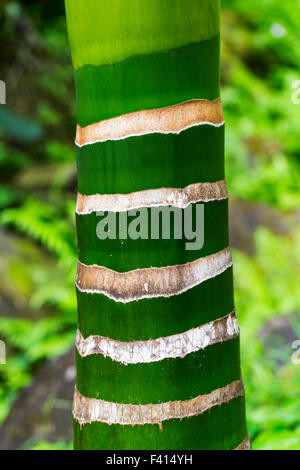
150	282
168	120
179	345
89	410
181	198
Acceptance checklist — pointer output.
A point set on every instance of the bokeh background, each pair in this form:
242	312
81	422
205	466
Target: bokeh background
260	66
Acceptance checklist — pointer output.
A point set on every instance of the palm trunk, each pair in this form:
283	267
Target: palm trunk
158	342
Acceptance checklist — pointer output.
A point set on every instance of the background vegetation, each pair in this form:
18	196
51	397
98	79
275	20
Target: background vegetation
260	62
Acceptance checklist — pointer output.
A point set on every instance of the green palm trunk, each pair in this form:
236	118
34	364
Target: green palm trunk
182	392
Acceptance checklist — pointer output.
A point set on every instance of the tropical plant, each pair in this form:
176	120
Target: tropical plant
157	346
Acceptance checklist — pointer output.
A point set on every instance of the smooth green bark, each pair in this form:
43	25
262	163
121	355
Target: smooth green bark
118	383
175	161
148	81
109	31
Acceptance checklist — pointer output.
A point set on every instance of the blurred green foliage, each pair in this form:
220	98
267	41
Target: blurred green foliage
260	62
59	445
